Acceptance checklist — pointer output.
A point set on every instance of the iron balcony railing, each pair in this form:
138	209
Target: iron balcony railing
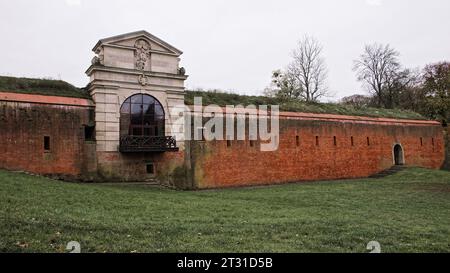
130	144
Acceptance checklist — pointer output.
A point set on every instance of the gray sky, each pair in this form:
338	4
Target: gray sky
231	45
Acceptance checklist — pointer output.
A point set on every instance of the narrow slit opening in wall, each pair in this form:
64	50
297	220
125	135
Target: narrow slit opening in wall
229	140
46	143
150	168
334	141
351	140
421	142
317	140
297	141
368	141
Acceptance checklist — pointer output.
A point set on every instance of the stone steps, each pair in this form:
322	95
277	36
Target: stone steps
392	170
146	182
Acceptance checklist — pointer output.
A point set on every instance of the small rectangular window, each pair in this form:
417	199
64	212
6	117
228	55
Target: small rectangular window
334	141
368	141
91	115
89	132
297	141
228	143
351	140
317	140
47	143
150	168
421	142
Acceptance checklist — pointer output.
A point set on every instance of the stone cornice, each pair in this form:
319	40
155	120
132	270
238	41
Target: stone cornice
92	68
173	92
94	85
132	48
109	84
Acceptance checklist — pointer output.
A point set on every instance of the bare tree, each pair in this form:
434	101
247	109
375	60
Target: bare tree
378	67
308	69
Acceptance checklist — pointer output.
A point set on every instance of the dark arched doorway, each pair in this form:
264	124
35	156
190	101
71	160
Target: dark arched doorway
398	155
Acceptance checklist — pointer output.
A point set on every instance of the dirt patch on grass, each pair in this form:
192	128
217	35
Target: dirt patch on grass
434	187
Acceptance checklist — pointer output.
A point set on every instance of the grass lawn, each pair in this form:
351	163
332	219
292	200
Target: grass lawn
406	212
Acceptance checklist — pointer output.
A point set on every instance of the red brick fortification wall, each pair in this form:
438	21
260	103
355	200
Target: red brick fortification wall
215	164
24	125
167	168
446	165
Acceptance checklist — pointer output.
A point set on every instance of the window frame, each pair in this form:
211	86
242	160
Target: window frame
148	120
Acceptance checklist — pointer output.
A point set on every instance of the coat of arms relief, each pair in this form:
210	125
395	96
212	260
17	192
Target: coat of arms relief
141	54
141	57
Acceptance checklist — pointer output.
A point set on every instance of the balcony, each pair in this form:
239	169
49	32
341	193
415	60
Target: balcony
136	144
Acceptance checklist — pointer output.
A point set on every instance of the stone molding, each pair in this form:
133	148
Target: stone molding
44	99
96	67
138	34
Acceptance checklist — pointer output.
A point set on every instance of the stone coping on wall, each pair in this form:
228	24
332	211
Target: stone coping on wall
329	117
335	117
44	99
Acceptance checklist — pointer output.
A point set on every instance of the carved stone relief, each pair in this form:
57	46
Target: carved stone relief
181	71
143	80
100	58
141	53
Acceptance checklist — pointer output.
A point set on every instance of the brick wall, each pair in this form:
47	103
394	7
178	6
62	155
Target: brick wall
209	164
23	127
446	165
215	164
167	168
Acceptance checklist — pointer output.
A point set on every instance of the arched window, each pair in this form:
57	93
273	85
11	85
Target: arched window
141	115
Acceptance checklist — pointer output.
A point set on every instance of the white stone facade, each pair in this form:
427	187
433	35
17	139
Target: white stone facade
130	64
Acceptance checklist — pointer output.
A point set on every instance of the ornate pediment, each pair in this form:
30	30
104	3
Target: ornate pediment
129	40
137	57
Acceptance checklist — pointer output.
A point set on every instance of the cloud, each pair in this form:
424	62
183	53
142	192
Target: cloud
374	2
73	3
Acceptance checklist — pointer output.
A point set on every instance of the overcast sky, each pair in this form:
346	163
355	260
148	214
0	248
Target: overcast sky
231	45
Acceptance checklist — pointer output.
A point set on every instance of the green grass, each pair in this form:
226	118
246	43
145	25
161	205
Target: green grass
223	99
406	212
41	87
